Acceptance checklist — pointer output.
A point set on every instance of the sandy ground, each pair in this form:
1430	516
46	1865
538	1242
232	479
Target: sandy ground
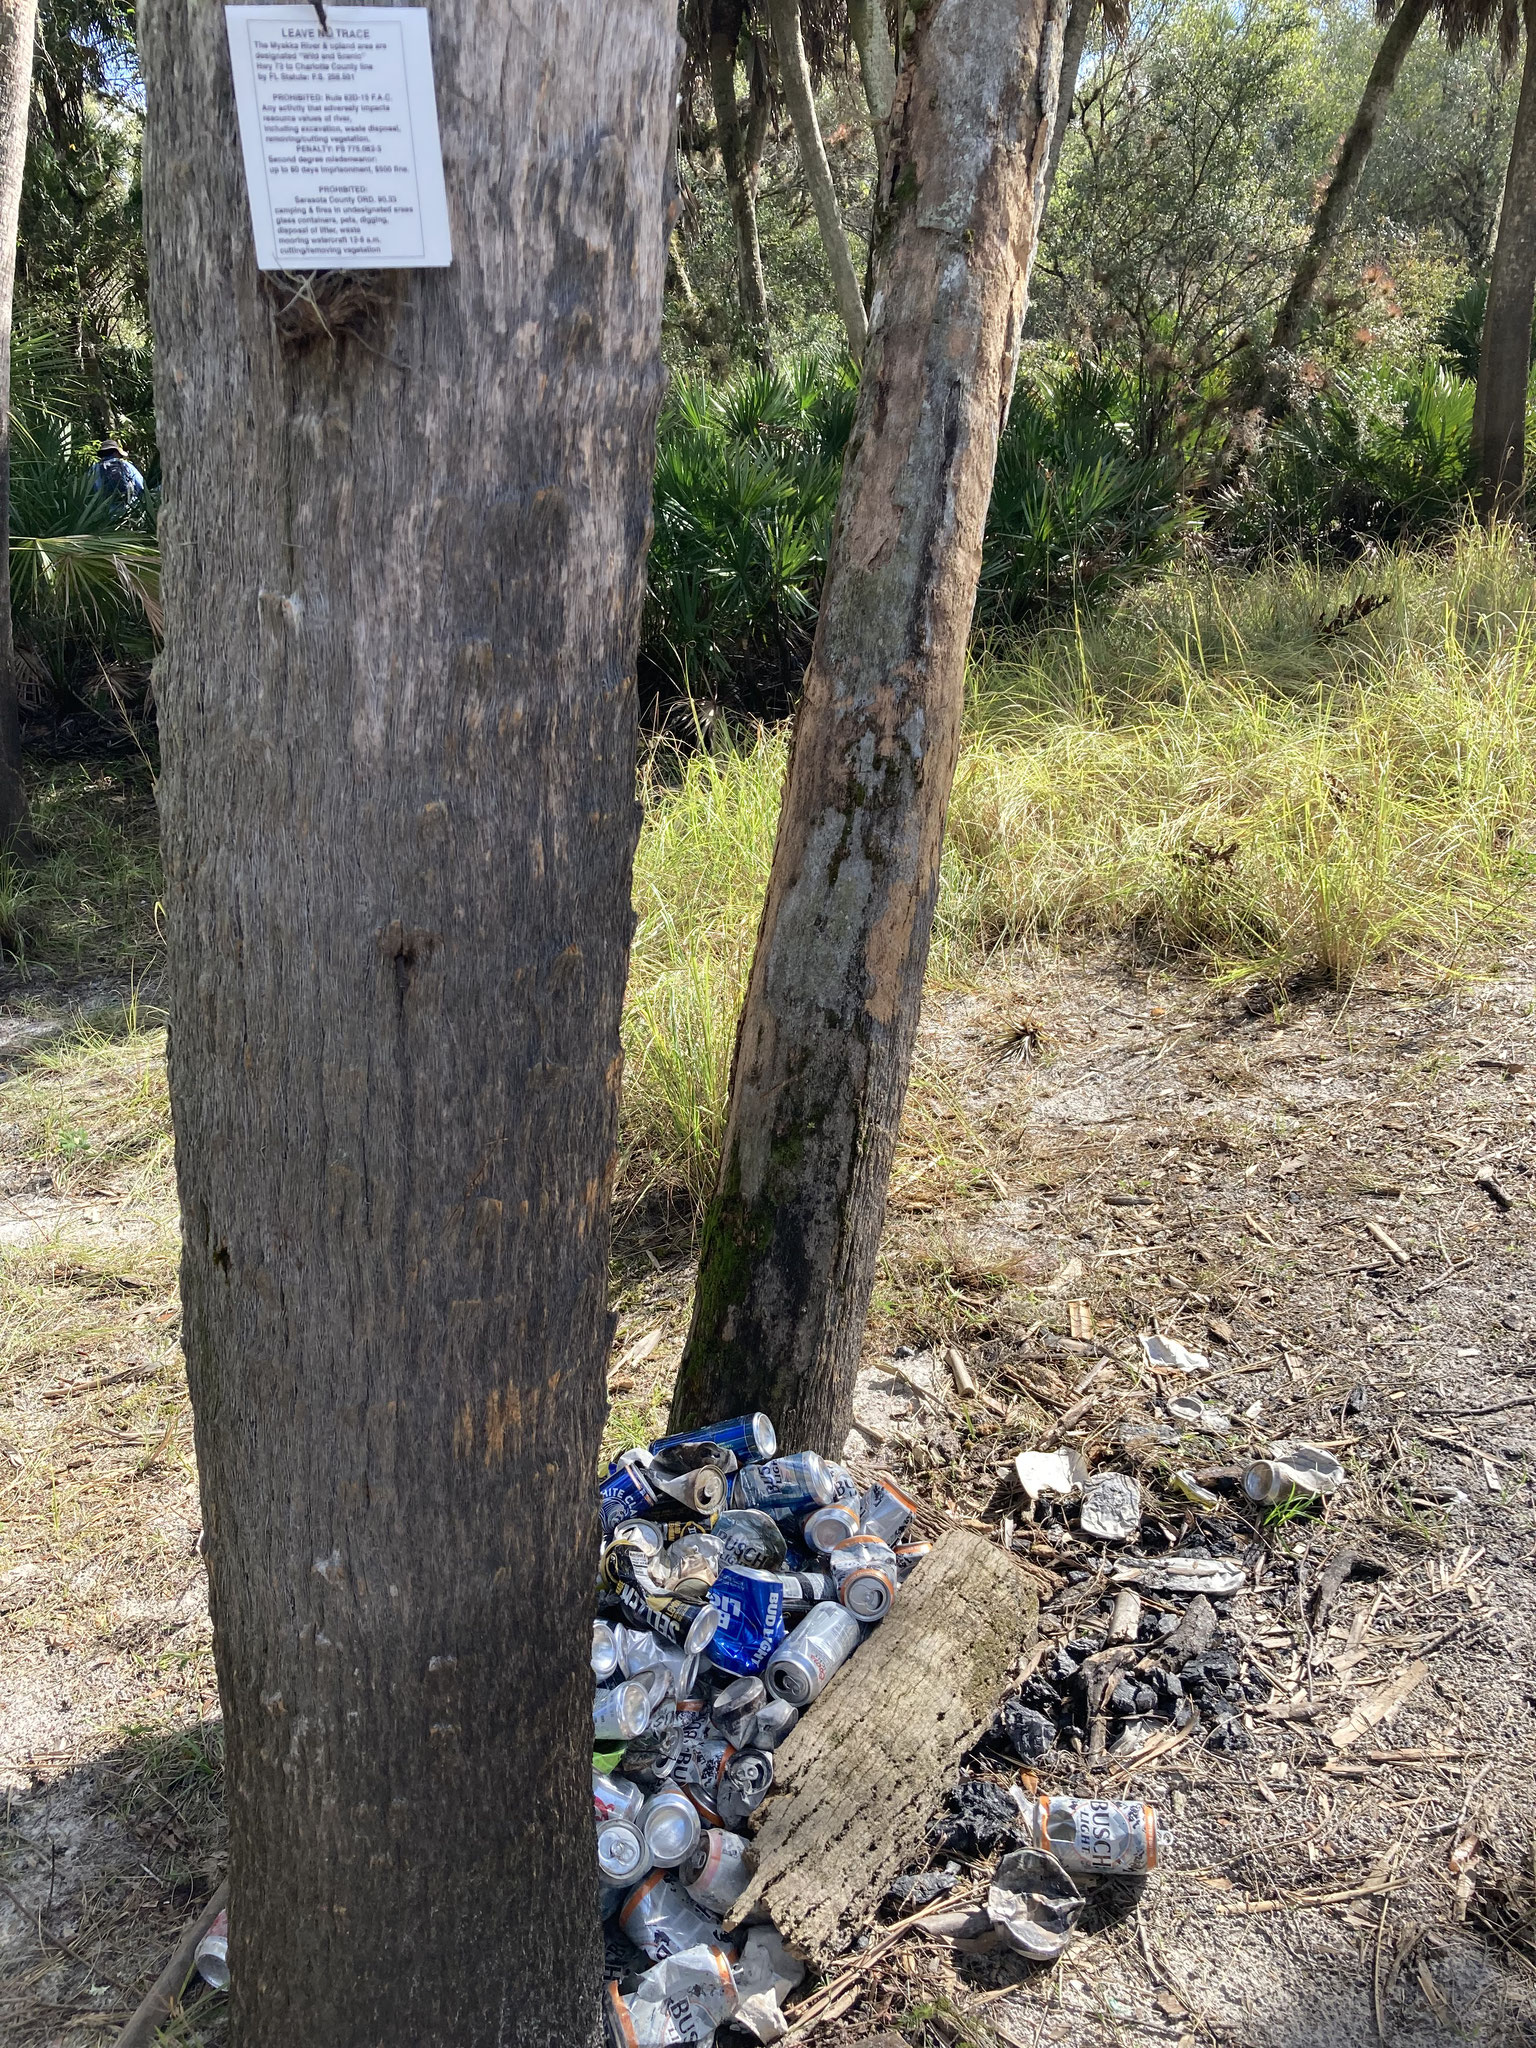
1318	1886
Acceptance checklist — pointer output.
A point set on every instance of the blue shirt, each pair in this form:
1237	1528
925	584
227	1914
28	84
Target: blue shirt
115	477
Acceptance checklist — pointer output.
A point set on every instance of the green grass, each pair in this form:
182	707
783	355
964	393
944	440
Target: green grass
87	901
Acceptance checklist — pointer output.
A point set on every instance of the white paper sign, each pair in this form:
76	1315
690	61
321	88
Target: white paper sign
338	127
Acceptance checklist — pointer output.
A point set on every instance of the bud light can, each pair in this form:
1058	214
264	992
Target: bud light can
886	1511
799	1669
750	1436
751	1606
784	1485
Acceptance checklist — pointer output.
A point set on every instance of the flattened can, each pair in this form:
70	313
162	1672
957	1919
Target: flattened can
751	1606
784	1486
749	1436
867	1576
1097	1837
661	1920
887	1510
799	1669
719	1870
749	1537
823	1528
698	1763
621	1852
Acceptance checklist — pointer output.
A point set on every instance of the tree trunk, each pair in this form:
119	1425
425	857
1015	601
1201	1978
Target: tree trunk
18	21
1504	364
724	35
403	579
877	68
795	75
1328	221
1074	41
825	1043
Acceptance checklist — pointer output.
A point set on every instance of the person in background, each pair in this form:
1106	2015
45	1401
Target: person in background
115	476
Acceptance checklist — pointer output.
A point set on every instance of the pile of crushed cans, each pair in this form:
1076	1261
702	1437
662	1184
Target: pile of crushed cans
733	1584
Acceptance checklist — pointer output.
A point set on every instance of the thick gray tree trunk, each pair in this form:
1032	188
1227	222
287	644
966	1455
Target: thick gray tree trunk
825	1042
1328	222
403	579
795	76
877	69
1504	364
18	22
725	17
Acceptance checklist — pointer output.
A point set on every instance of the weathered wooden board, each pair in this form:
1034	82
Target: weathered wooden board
869	1765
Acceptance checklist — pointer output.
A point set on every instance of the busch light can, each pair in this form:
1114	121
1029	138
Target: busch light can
747	1536
784	1486
719	1870
799	1669
886	1511
750	1436
867	1576
660	1920
621	1852
751	1606
1096	1837
670	1825
823	1528
686	1623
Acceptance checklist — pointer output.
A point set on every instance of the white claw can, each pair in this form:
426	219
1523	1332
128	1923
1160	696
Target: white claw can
1097	1837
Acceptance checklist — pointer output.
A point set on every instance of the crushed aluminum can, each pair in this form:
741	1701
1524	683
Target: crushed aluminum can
1096	1837
1216	1577
669	1822
1053	1475
908	1556
701	1492
688	1624
1111	1508
736	1709
1188	1487
799	1669
804	1590
774	1721
211	1956
784	1486
622	1713
826	1527
751	1608
692	1454
719	1870
751	1437
660	1920
680	2000
743	1785
696	1763
1034	1904
886	1511
1293	1472
1166	1354
1194	1413
640	1652
622	1856
605	1651
616	1798
865	1574
749	1537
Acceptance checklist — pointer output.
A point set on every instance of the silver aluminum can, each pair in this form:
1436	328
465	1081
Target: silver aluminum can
662	1921
867	1576
616	1798
833	1524
621	1852
719	1870
802	1590
799	1669
1097	1837
670	1825
887	1510
605	1652
845	1488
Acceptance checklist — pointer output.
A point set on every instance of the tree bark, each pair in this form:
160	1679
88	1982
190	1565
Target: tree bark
795	75
1504	363
725	18
1328	221
18	22
825	1043
1074	41
403	578
877	68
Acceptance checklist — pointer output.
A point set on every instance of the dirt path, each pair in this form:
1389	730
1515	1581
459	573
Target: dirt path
1316	1889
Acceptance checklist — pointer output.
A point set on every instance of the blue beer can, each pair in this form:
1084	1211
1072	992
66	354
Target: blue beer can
623	1495
751	1604
749	1436
784	1486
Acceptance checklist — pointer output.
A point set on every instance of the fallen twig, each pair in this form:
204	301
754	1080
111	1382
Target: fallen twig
171	1982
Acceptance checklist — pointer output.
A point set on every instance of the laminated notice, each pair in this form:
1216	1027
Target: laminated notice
338	128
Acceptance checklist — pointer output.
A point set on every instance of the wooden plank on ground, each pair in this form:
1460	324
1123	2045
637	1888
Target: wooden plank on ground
868	1767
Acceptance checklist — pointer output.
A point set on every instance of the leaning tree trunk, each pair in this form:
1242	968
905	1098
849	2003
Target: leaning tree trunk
18	22
1328	221
825	1043
877	68
725	17
1073	42
1504	364
403	578
795	74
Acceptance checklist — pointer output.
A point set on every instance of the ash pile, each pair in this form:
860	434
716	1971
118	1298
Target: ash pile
733	1583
